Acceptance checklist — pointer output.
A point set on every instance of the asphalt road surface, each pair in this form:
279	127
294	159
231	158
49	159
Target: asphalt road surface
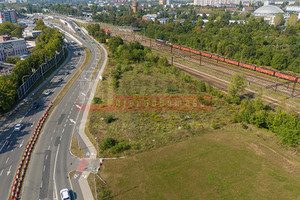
52	161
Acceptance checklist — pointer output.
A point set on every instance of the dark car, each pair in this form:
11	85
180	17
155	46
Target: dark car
79	53
6	143
35	105
66	73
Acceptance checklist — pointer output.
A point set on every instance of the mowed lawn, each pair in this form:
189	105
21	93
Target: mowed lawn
223	164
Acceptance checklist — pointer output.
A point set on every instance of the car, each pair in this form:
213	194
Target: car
6	143
64	193
79	53
35	105
18	127
71	67
47	92
60	80
66	73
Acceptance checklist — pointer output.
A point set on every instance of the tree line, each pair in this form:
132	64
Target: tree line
47	45
254	42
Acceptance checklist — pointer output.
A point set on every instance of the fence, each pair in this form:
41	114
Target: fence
44	68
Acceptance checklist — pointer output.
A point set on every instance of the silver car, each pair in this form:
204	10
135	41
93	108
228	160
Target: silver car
18	127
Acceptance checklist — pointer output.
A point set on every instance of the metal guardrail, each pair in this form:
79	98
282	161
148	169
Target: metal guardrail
44	68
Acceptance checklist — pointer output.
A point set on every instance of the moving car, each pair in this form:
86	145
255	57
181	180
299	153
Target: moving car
18	127
64	193
34	106
47	92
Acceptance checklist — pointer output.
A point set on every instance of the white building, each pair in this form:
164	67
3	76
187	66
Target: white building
11	46
8	16
215	2
268	12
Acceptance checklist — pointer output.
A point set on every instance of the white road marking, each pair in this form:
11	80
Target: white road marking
2	147
21	144
60	138
9	136
30	119
71	120
49	147
65	125
1	172
51	138
44	168
83	94
63	130
8	172
78	106
55	190
46	157
7	160
41	184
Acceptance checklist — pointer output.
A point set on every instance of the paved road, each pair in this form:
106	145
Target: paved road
10	156
52	161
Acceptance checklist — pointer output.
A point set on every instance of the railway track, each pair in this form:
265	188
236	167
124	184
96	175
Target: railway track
258	79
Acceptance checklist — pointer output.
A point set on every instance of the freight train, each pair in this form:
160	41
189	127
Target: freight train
233	62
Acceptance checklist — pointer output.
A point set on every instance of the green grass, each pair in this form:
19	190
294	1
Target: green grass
218	165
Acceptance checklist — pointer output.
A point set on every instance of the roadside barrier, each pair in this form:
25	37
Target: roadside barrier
23	165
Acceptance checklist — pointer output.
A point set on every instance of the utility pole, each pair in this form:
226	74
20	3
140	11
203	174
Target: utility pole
293	89
150	43
200	59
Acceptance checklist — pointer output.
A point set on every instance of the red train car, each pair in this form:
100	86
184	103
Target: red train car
234	62
248	66
206	54
298	80
195	51
285	76
265	71
185	49
213	56
176	46
221	59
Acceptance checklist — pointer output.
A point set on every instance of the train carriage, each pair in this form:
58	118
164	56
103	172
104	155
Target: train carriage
248	66
208	55
195	51
213	56
265	71
234	62
176	46
285	76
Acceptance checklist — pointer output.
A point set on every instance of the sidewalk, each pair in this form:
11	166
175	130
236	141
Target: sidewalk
86	190
5	120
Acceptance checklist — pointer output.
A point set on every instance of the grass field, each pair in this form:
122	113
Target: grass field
228	164
183	154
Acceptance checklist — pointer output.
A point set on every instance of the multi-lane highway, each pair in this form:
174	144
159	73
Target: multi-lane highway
51	161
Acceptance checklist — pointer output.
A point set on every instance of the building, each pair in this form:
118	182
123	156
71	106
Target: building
162	2
246	9
134	5
216	2
11	46
168	2
268	12
150	17
8	16
295	9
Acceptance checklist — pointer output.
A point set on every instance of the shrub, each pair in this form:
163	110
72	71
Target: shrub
215	126
244	126
97	100
108	143
108	119
120	147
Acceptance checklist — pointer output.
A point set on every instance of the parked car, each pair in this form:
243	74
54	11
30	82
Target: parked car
18	127
47	92
66	73
34	106
64	193
6	143
79	53
71	67
60	80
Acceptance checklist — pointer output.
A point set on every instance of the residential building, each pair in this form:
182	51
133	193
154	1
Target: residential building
162	2
11	46
8	16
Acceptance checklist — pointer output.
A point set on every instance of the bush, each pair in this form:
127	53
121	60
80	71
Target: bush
170	90
244	126
97	100
108	119
215	126
108	143
120	147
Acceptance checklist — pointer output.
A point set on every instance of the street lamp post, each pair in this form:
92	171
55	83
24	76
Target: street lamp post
23	83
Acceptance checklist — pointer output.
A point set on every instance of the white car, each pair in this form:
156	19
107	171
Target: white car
64	193
18	127
47	92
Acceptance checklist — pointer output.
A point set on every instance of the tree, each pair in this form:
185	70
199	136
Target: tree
278	20
8	93
292	20
237	84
